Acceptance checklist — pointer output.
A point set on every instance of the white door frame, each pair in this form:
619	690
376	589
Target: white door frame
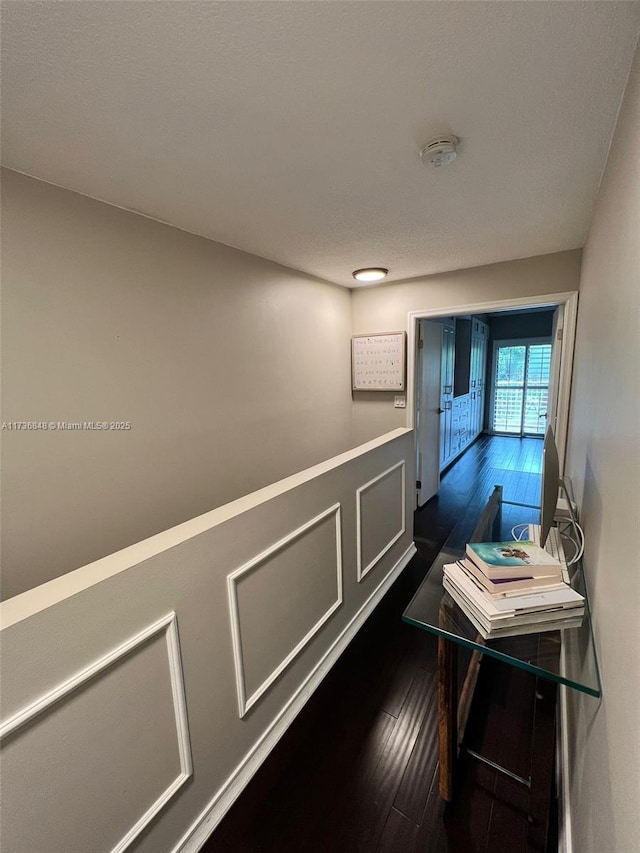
568	299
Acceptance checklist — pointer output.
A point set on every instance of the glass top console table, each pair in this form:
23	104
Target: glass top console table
562	657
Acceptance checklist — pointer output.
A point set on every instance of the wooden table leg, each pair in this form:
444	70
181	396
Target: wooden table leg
447	714
542	763
466	693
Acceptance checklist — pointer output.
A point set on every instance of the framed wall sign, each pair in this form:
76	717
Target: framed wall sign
378	362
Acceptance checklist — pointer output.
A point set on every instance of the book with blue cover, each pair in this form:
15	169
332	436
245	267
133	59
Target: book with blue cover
513	560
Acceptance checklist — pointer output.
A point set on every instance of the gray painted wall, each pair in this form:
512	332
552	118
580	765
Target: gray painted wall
604	462
233	372
537	324
102	761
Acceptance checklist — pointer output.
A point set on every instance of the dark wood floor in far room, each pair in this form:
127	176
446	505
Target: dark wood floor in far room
357	771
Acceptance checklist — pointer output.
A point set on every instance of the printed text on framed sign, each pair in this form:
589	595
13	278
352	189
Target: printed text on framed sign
378	362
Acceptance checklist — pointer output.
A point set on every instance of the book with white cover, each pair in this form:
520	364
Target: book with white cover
535	628
552	615
494	608
501	587
513	630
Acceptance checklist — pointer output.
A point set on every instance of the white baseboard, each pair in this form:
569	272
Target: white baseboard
221	802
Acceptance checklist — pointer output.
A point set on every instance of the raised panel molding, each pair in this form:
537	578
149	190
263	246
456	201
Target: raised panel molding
204	824
363	571
246	702
169	626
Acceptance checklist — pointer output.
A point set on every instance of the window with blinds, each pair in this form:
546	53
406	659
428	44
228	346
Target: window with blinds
520	388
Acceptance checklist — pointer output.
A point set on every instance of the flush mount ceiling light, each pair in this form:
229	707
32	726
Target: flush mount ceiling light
370	274
440	151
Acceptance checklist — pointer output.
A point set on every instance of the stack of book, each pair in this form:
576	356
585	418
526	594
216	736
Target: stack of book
508	588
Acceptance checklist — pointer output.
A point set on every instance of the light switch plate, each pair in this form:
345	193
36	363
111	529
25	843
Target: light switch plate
399	402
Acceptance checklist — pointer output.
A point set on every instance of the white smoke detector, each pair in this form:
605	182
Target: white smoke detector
440	151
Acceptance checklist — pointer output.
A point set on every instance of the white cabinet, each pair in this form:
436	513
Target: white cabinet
461	425
477	374
446	392
462	417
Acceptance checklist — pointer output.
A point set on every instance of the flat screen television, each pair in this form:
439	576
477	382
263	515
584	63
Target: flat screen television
550	484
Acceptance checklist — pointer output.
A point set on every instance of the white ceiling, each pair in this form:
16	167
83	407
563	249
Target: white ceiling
292	129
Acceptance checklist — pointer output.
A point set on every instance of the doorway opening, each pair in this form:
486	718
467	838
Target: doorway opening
500	368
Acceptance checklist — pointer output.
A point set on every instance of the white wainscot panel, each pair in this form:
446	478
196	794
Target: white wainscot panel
112	742
280	599
380	517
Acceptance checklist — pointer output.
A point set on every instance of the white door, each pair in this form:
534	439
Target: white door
428	411
554	373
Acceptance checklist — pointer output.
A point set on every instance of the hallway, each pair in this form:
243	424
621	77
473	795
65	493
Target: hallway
357	771
513	463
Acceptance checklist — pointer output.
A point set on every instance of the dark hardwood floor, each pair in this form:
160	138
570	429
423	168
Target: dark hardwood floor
357	770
